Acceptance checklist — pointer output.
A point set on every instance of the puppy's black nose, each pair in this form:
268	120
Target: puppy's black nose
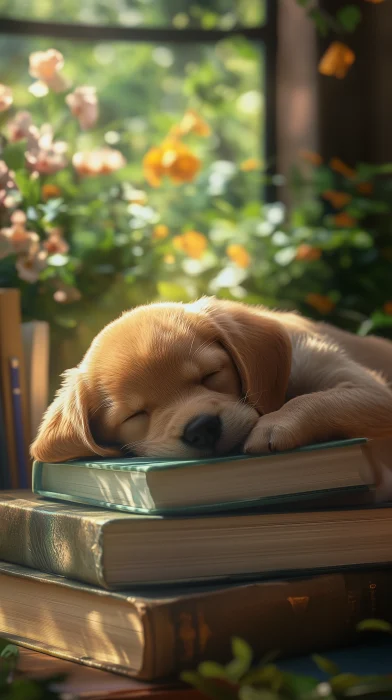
203	431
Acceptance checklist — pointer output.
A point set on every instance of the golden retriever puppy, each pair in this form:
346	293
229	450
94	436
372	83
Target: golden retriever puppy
196	380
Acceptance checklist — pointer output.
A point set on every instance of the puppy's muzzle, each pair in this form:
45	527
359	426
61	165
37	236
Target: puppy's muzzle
202	432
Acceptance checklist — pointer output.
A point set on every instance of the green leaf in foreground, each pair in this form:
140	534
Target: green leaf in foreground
10	651
326	665
374	625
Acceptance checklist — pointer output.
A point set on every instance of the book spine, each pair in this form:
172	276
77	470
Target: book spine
53	541
5	479
293	617
19	430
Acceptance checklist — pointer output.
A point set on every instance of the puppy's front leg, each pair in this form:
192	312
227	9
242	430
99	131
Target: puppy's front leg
344	411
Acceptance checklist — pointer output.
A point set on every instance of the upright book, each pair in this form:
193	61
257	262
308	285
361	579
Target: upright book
35	336
157	633
154	486
116	550
5	477
11	347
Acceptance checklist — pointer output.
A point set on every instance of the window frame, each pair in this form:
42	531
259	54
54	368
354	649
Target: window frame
265	35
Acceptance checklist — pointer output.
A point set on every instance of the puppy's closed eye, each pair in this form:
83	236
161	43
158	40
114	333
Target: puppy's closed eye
138	414
210	379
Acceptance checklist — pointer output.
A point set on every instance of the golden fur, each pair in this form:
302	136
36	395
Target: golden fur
276	380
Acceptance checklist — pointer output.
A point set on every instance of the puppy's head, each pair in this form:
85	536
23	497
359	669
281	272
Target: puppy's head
170	380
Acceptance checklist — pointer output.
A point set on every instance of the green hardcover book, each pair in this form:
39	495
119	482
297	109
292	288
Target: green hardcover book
153	634
157	487
115	550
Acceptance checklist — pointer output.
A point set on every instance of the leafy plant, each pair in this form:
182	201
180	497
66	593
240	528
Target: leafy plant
15	686
240	680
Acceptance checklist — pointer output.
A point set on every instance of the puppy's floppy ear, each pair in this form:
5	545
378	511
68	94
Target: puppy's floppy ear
65	430
259	346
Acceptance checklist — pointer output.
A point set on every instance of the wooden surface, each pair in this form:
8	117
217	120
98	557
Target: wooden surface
89	683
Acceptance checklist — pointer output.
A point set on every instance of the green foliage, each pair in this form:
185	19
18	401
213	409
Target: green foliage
16	686
349	17
346	19
267	682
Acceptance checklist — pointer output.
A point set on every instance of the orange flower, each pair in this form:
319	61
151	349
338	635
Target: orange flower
250	164
169	259
388	308
173	159
337	199
311	157
344	220
153	166
322	304
308	253
160	231
375	2
365	188
339	167
192	122
50	191
192	243
238	254
100	162
180	163
337	60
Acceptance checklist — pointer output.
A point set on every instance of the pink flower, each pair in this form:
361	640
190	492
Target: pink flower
45	65
19	127
101	162
17	239
45	155
6	98
66	294
7	183
29	267
55	243
83	104
7	201
6	177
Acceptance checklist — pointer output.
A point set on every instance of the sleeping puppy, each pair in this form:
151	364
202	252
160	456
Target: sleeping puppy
208	378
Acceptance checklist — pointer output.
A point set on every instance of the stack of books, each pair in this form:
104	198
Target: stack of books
148	567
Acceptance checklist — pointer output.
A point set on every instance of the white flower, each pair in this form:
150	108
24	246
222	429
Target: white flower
29	267
6	98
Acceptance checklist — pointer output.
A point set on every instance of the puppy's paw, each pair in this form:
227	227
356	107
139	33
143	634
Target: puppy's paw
271	436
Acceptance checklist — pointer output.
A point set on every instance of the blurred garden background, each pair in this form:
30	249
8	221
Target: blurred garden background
164	161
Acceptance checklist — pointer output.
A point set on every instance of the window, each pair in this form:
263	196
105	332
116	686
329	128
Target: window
150	61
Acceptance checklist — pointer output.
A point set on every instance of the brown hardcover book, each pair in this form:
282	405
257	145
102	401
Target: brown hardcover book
11	346
87	683
157	633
